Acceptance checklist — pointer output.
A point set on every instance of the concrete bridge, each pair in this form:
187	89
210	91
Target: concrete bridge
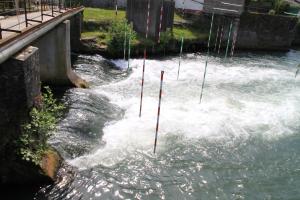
38	53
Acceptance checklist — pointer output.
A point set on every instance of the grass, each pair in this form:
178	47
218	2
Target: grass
189	33
108	15
178	17
101	37
98	14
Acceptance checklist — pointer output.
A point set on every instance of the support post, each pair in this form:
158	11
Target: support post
52	7
25	10
42	17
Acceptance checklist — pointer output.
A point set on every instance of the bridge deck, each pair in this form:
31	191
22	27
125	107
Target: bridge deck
18	23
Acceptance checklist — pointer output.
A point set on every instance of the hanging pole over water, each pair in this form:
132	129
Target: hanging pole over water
235	37
183	6
180	56
145	57
297	71
158	111
210	31
203	82
208	46
116	7
125	38
160	20
228	41
129	47
216	41
221	38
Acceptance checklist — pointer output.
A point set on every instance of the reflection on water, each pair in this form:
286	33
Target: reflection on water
242	142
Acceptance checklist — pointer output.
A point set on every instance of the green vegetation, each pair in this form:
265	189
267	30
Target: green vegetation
33	142
189	33
102	15
117	33
109	30
274	6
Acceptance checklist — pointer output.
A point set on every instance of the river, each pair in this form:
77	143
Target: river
242	142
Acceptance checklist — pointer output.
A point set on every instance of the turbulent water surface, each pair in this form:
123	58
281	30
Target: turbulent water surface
242	142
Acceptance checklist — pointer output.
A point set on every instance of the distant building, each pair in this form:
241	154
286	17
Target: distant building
190	5
224	7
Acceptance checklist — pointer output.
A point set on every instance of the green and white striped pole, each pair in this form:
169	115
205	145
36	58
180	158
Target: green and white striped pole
125	36
129	48
228	41
208	45
210	31
181	47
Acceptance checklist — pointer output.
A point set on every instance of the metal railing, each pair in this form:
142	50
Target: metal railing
24	8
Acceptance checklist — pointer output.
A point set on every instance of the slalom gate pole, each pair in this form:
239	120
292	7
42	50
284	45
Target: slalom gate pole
221	38
181	47
208	45
145	57
125	37
203	82
217	36
228	41
116	7
160	20
210	31
235	38
183	6
129	48
158	111
142	87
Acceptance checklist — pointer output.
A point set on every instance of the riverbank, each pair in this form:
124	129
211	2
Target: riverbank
255	32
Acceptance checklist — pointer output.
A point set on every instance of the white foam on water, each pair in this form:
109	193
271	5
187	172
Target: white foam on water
237	98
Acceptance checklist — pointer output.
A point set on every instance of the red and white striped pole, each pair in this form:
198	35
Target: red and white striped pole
221	38
217	36
145	57
235	36
158	112
148	19
160	21
143	77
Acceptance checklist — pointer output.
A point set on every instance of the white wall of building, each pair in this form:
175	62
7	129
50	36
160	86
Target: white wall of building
189	5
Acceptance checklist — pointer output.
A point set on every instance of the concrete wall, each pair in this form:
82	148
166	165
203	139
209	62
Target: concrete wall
76	28
55	57
296	41
189	5
104	3
19	88
266	32
137	14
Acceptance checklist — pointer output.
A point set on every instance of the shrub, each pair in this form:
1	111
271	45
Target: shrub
272	12
117	36
43	120
281	6
165	38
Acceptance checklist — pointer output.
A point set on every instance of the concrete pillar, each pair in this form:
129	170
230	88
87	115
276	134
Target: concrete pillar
137	14
19	90
55	57
76	27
